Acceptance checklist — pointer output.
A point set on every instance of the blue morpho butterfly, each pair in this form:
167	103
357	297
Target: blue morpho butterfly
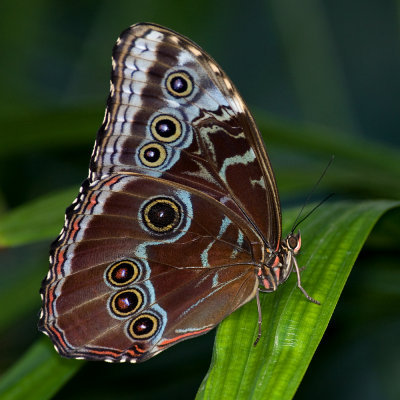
178	223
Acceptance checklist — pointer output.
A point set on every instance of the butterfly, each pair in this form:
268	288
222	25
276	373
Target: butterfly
178	223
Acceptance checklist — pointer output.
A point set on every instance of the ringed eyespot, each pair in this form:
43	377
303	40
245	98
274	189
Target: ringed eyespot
143	327
166	128
161	215
122	273
126	302
152	154
179	84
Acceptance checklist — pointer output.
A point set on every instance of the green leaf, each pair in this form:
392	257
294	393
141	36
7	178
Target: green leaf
361	167
22	270
38	374
317	75
74	127
292	326
38	220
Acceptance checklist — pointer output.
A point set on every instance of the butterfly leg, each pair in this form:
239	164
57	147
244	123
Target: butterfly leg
259	317
299	284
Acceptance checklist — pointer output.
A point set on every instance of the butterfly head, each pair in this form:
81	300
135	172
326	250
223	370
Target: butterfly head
287	252
279	265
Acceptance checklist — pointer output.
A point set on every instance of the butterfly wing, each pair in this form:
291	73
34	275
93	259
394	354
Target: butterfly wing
213	143
135	271
166	235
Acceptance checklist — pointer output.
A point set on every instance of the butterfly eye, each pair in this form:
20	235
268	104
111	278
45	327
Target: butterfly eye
143	327
161	215
166	128
292	242
126	302
152	155
122	273
179	84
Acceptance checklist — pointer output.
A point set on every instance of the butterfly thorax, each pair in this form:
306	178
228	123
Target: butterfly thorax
279	264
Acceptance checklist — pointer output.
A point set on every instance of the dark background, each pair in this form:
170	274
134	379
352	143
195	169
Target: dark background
331	66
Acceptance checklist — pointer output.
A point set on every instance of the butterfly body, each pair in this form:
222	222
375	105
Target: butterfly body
178	223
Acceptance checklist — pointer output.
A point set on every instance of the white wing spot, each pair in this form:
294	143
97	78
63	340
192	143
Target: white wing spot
228	84
214	68
204	255
155	35
215	280
195	51
239	244
258	182
245	159
238	104
112	89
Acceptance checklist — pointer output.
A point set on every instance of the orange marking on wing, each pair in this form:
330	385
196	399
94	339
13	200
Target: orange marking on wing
132	353
92	202
169	341
60	261
138	349
115	354
113	180
59	337
75	228
51	300
104	352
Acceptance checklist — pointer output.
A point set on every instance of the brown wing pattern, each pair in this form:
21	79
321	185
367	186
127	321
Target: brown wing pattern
188	278
167	233
219	150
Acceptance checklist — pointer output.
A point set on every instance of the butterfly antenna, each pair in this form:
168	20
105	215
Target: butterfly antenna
298	221
310	212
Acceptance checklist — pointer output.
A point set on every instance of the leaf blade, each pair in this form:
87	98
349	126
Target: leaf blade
38	220
292	327
41	369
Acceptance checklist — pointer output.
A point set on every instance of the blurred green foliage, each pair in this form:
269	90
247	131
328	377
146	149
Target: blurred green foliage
323	78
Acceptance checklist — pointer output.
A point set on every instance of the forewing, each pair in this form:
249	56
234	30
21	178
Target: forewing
216	148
